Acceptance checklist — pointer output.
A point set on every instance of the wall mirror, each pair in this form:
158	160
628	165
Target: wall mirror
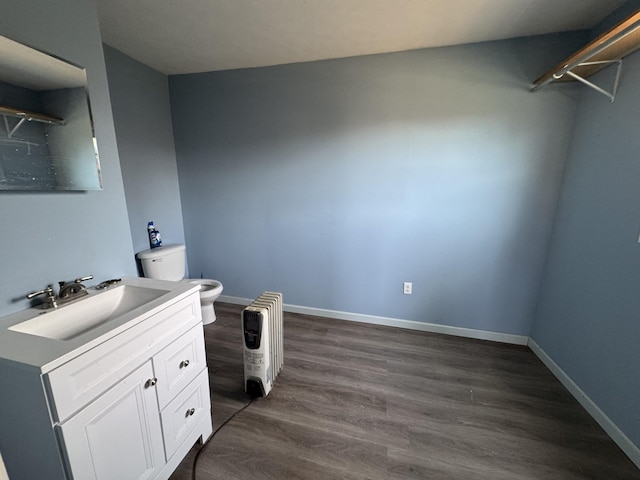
47	139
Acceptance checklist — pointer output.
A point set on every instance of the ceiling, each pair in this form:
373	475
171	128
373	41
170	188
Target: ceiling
206	35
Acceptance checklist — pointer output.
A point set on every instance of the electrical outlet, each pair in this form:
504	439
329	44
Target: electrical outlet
407	288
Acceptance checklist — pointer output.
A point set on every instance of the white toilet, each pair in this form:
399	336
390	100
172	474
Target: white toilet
168	263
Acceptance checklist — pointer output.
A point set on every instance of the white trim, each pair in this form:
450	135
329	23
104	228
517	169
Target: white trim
394	322
411	325
617	435
625	444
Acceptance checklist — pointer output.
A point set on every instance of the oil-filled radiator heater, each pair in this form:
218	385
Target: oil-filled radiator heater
263	343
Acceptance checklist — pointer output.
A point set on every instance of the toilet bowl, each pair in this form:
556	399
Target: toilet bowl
210	290
168	263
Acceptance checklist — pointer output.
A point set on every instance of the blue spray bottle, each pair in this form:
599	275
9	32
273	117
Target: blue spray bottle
154	236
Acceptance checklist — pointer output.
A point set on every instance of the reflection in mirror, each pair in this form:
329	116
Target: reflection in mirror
47	139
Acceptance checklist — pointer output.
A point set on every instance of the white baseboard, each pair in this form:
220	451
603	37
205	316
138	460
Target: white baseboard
625	444
393	322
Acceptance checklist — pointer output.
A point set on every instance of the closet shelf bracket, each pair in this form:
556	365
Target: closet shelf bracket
11	131
610	95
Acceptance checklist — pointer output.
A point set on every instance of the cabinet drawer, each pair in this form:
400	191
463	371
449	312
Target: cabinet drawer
77	382
185	412
178	364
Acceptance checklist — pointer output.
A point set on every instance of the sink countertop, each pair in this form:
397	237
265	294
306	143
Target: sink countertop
45	354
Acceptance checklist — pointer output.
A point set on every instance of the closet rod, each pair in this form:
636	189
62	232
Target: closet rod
590	54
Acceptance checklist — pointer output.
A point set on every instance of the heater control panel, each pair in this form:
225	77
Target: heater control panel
252	325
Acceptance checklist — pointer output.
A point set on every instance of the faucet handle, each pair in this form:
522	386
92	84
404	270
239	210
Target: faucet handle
48	291
50	301
83	279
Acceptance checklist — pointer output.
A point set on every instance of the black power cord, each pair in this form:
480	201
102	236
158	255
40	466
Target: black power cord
195	460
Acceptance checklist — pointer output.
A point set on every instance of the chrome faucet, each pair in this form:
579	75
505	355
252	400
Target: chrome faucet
75	289
68	291
50	301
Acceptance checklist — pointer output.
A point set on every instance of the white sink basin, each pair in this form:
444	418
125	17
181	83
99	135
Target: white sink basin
93	310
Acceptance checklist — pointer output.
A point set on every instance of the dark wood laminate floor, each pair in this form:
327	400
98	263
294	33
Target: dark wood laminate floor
358	401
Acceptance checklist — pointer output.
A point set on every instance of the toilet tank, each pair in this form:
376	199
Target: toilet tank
164	263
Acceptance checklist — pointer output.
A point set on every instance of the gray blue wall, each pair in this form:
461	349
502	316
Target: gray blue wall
588	314
335	181
141	111
46	237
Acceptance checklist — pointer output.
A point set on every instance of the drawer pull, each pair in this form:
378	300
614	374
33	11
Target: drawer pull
190	412
184	363
150	383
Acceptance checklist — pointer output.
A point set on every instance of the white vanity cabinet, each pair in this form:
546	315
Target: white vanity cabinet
130	407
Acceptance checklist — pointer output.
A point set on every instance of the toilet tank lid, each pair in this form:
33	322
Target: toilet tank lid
160	251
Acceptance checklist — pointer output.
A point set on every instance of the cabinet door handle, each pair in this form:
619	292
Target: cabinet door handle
184	363
150	383
190	412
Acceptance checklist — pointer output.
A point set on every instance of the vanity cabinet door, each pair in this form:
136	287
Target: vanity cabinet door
118	436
